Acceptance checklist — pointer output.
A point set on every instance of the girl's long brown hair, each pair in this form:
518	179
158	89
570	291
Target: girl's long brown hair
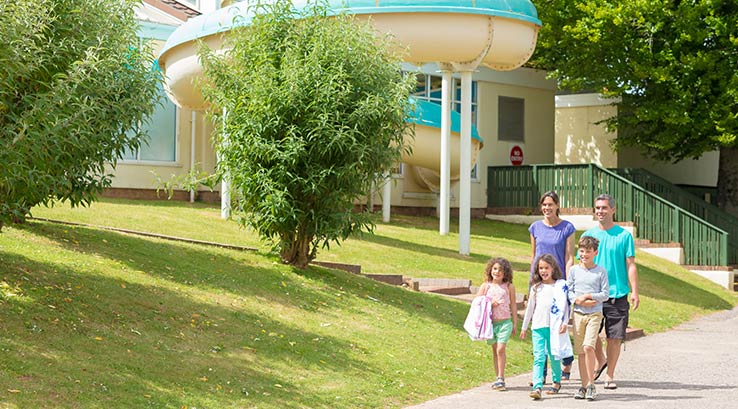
551	260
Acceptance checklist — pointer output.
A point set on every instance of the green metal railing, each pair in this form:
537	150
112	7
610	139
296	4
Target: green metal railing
688	201
656	219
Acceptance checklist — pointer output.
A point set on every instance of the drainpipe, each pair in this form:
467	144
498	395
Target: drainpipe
225	184
193	192
386	197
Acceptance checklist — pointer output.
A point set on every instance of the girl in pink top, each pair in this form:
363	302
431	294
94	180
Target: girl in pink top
499	288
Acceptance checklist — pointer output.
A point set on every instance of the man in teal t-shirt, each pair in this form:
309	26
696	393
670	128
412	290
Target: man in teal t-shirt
617	256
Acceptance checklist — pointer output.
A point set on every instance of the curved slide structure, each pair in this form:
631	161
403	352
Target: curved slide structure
426	150
459	35
498	33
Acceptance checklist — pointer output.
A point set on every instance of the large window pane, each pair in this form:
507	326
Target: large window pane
161	146
511	119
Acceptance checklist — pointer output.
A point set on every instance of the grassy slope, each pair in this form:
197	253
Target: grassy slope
98	319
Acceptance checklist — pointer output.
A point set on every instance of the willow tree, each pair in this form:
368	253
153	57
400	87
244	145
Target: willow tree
309	110
74	86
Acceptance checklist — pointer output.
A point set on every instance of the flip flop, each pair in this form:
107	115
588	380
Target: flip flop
554	389
610	385
600	371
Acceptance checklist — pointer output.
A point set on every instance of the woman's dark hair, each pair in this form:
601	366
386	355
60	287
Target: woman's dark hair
553	197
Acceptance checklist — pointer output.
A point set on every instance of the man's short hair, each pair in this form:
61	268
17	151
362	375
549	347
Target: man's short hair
589	242
605	196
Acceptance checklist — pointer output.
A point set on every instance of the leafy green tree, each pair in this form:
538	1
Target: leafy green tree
74	86
315	110
673	63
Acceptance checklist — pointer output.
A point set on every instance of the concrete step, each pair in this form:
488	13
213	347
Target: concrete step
725	276
633	333
445	290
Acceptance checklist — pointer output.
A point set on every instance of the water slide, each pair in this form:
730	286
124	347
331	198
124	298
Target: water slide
503	32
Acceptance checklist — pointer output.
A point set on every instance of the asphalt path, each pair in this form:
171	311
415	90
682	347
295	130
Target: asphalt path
693	366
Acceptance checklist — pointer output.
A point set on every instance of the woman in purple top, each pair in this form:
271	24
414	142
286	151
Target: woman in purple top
553	235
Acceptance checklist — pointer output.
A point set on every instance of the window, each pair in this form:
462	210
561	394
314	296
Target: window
511	119
161	142
192	3
398	171
428	88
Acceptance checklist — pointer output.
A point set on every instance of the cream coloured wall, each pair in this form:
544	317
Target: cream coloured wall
539	124
695	172
579	138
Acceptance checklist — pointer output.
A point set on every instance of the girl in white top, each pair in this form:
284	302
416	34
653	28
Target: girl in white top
547	314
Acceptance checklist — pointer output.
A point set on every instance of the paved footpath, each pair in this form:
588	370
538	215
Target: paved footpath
693	366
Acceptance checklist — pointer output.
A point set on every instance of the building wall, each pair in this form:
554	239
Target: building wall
580	139
134	173
579	136
538	145
692	172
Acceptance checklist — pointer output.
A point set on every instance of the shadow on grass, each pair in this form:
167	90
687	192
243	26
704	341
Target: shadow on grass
479	227
662	286
412	302
422	248
81	335
162	202
230	270
183	263
477	258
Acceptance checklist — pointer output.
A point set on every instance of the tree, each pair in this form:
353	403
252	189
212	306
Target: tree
74	87
674	64
315	110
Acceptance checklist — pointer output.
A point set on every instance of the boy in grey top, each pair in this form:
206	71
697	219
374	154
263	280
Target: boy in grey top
588	288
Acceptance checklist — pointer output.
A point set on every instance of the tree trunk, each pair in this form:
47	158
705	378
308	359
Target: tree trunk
297	251
727	184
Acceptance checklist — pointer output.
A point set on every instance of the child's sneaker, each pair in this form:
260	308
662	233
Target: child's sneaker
499	385
581	393
591	392
535	393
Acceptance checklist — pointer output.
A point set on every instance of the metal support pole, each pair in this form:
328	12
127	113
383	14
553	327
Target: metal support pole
465	165
386	197
444	196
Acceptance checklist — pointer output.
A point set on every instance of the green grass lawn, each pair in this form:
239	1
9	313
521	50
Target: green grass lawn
94	318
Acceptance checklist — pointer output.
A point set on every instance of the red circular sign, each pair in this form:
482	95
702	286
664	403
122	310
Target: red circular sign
516	155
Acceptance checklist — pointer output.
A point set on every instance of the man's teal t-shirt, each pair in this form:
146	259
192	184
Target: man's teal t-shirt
616	245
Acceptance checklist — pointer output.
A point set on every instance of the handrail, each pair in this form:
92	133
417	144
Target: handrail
657	219
677	194
685	199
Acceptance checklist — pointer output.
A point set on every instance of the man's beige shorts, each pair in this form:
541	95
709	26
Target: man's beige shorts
586	329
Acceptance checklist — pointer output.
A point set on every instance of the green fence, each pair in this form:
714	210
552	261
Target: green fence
655	218
689	202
